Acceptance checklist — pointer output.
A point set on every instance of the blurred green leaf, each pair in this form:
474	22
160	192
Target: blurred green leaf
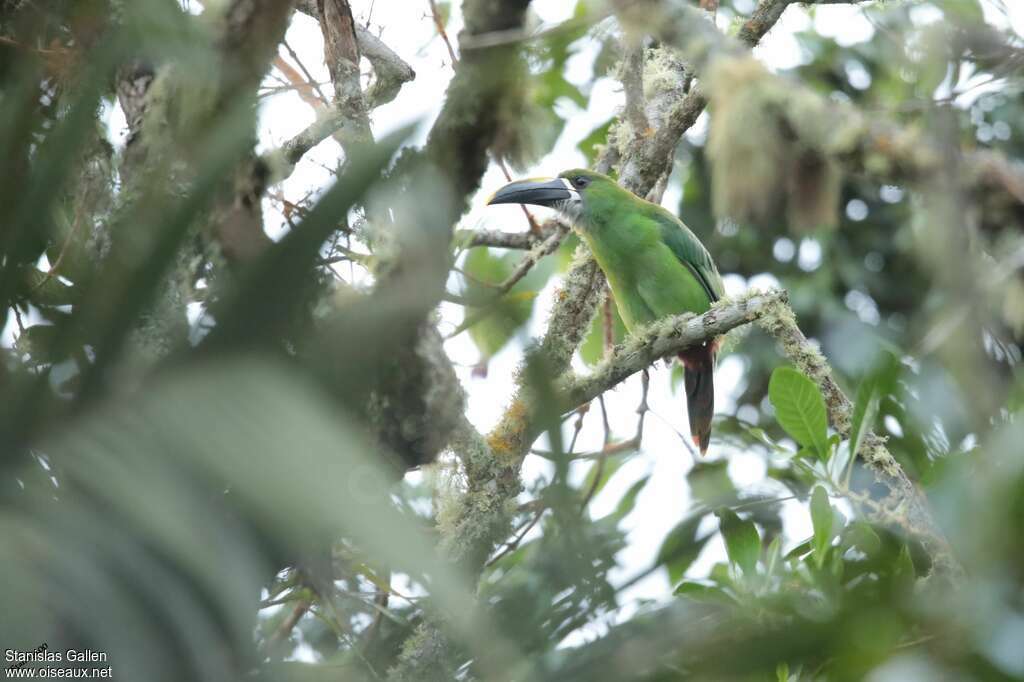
800	409
742	542
876	385
967	12
492	326
47	289
589	145
702	592
628	501
801	550
142	486
710	483
39	342
681	547
821	519
264	297
904	573
606	472
861	535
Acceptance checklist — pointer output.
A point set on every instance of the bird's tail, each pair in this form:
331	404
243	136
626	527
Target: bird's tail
698	377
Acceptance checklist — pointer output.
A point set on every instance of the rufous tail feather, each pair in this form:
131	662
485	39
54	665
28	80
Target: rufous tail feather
698	379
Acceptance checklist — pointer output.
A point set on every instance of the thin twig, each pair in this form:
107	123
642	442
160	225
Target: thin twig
309	76
505	240
599	470
284	630
380	601
514	544
581	412
17	319
439	23
63	251
547	247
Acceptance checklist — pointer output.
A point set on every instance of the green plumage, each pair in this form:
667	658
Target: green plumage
654	264
655	267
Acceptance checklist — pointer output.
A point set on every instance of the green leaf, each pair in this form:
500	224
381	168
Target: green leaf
869	395
772	555
598	136
611	465
963	11
742	542
821	518
701	592
782	672
710	483
865	411
800	409
47	289
628	501
681	547
800	550
861	535
904	572
40	342
492	326
197	432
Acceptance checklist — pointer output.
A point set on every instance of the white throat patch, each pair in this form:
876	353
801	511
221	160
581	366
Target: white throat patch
572	207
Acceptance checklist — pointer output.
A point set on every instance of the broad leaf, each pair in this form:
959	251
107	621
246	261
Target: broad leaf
800	409
492	326
681	547
742	542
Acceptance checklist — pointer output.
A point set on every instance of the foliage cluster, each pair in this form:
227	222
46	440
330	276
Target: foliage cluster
205	434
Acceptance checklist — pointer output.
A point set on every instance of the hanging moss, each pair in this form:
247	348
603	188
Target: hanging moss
770	150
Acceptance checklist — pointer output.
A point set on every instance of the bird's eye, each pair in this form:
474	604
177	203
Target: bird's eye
580	181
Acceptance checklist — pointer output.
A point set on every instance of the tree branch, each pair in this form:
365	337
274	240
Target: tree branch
812	134
632	78
341	53
523	267
908	506
493	464
665	339
500	240
391	72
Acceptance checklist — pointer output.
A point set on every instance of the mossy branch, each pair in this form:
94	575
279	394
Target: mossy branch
664	339
778	148
906	505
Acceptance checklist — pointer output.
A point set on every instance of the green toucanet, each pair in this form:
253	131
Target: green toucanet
655	265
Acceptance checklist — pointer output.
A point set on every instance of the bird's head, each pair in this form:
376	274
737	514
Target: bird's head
573	193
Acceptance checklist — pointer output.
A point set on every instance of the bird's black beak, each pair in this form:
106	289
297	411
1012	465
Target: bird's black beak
542	192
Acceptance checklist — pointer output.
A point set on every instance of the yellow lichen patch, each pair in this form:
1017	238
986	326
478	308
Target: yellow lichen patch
506	438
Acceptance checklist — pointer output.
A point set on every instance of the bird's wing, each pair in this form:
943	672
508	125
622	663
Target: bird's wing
688	249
